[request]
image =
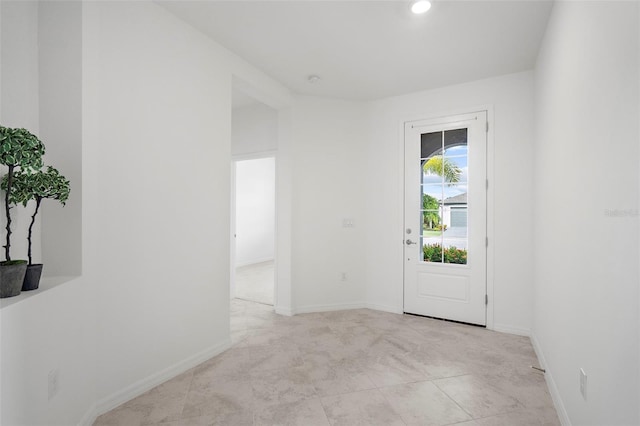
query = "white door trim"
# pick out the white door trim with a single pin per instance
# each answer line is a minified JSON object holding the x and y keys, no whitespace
{"x":490,"y":199}
{"x":254,"y":155}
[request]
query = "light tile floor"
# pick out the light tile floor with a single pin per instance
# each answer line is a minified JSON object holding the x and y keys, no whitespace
{"x":356,"y":367}
{"x":255,"y":282}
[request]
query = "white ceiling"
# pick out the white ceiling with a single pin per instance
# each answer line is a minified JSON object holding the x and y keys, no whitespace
{"x":366,"y":50}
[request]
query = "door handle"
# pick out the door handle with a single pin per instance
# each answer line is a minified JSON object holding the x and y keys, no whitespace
{"x":409,"y":242}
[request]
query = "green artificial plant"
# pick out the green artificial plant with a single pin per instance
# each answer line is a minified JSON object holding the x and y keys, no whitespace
{"x":18,"y":148}
{"x":36,"y":185}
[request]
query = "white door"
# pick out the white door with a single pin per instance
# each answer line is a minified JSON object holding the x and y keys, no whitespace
{"x":445,"y":257}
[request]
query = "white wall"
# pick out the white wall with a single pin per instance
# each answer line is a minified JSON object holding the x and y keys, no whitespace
{"x":329,"y":140}
{"x":157,"y":150}
{"x":19,"y":36}
{"x":153,"y":296}
{"x":60,"y":82}
{"x":284,"y":214}
{"x":255,"y":210}
{"x":156,"y":153}
{"x":254,"y":129}
{"x":586,"y":273}
{"x":19,"y":103}
{"x":510,"y":204}
{"x":347,"y":164}
{"x":51,"y":329}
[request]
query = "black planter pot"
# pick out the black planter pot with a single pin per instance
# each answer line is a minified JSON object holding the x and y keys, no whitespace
{"x":11,"y":279}
{"x":32,"y":277}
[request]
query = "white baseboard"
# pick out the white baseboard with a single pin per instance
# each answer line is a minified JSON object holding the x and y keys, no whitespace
{"x":327,"y":308}
{"x":141,"y":386}
{"x":89,"y":417}
{"x":512,"y":330}
{"x":384,"y":308}
{"x":337,"y":307}
{"x":254,"y":261}
{"x":282,"y":310}
{"x":551,"y":384}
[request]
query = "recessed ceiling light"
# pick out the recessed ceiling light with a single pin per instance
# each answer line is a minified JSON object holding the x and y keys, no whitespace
{"x":420,"y":6}
{"x":313,"y":79}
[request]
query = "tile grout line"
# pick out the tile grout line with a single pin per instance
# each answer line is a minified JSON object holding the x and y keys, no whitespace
{"x":341,"y":330}
{"x":452,"y":399}
{"x":186,"y":395}
{"x":391,"y":405}
{"x":324,"y":410}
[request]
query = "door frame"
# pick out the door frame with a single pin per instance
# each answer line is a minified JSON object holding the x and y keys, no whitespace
{"x":490,"y":196}
{"x":472,"y":275}
{"x":271,"y":97}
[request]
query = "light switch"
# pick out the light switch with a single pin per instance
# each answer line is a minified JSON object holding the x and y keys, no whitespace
{"x":348,"y":223}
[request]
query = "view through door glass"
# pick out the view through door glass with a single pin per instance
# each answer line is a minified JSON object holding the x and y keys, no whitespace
{"x":444,"y":188}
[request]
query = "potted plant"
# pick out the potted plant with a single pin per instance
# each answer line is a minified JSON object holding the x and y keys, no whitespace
{"x":19,"y":148}
{"x":36,"y":185}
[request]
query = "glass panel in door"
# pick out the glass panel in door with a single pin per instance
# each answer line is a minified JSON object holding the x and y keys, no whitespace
{"x":444,"y":189}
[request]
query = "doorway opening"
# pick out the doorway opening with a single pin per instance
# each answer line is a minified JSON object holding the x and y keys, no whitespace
{"x":255,"y":187}
{"x":254,"y":140}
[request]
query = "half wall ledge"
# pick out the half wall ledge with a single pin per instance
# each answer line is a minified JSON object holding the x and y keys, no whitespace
{"x":46,"y":284}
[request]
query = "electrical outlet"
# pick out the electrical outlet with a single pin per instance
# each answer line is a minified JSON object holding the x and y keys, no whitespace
{"x":348,"y":223}
{"x":583,"y":384}
{"x":344,"y":276}
{"x":54,"y":383}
